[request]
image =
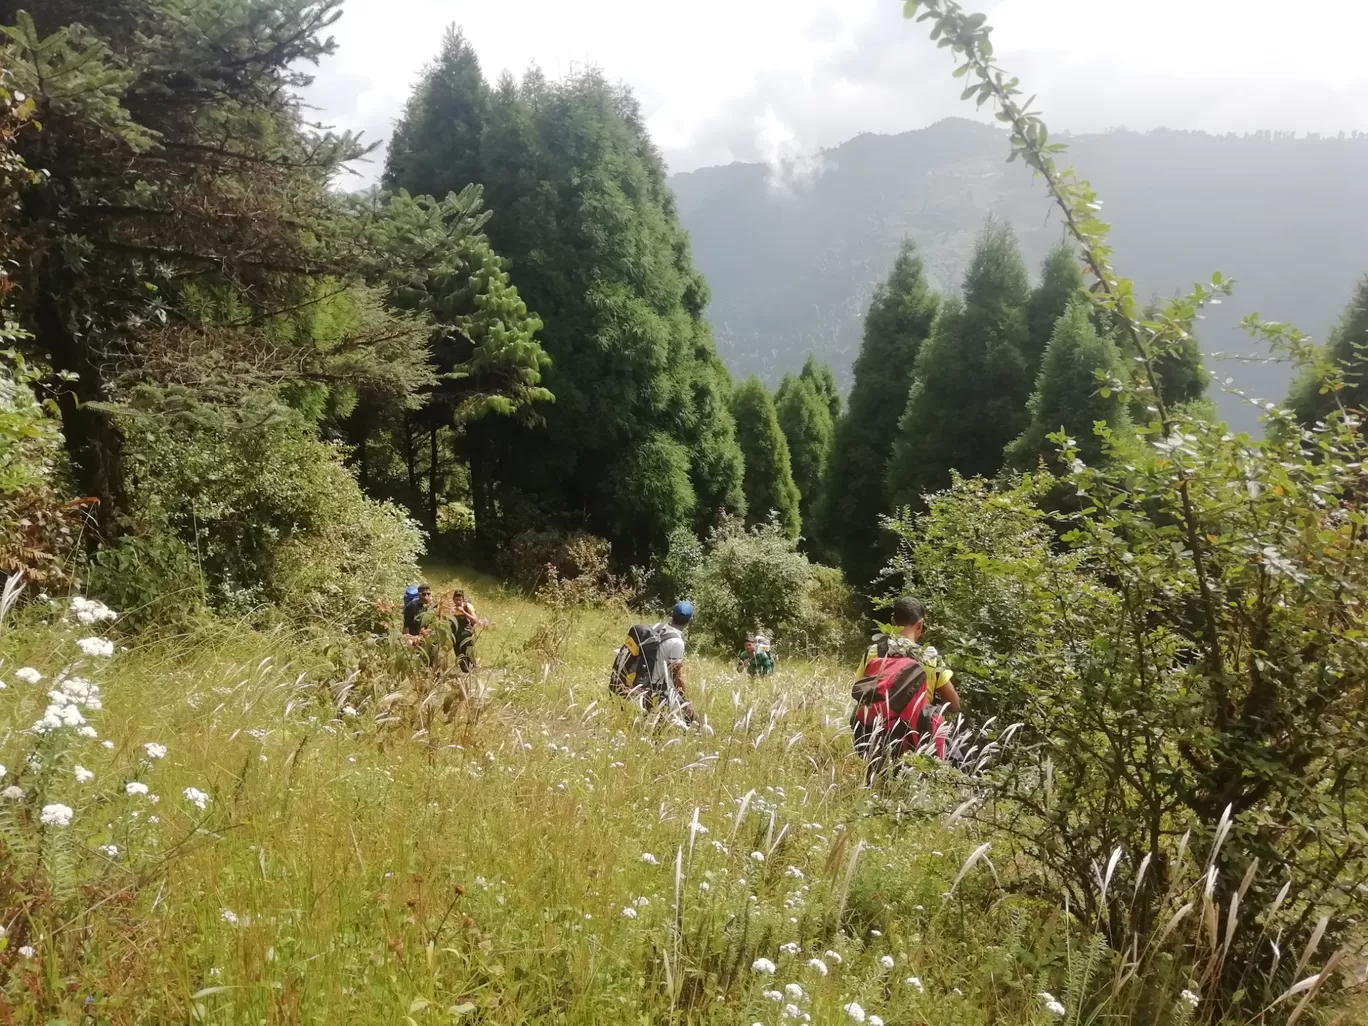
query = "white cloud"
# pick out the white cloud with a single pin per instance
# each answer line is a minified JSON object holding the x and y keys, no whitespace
{"x":723,"y":80}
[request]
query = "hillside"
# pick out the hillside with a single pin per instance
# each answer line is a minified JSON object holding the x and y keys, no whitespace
{"x":792,"y":269}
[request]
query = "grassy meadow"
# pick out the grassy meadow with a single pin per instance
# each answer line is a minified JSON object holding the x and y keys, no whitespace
{"x":390,"y":845}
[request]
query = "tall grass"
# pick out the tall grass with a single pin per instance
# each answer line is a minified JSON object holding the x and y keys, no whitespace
{"x":524,"y":850}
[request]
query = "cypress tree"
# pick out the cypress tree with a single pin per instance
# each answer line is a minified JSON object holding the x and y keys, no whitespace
{"x":900,"y":318}
{"x":1068,"y":396}
{"x":769,"y":477}
{"x":1061,"y":278}
{"x":819,"y":376}
{"x":805,"y":418}
{"x":968,"y":400}
{"x":1346,"y":347}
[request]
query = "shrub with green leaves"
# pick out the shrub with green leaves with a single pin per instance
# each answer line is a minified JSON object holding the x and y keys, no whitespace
{"x":242,"y":507}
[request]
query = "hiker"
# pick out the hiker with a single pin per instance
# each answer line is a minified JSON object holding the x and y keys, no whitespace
{"x":754,"y":660}
{"x":900,"y":683}
{"x":417,"y":604}
{"x":463,"y":620}
{"x":649,"y":667}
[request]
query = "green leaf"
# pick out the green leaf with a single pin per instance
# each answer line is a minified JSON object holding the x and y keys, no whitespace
{"x":464,"y":1008}
{"x":418,"y":1004}
{"x":910,"y":8}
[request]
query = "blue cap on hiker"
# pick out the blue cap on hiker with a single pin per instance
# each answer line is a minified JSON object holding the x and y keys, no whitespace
{"x":683,"y":612}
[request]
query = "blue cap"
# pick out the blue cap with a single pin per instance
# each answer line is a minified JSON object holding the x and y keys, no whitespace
{"x":683,"y":610}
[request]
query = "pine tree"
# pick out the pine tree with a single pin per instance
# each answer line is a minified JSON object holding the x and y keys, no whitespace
{"x":900,"y":318}
{"x":823,"y":381}
{"x":1068,"y":396}
{"x":435,"y":148}
{"x":1346,"y":347}
{"x":969,"y":396}
{"x":805,"y":418}
{"x":769,"y":477}
{"x":1061,"y":278}
{"x":587,"y":221}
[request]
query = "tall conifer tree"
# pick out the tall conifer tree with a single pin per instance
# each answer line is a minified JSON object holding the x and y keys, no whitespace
{"x":805,"y":417}
{"x":899,"y":320}
{"x":769,"y":476}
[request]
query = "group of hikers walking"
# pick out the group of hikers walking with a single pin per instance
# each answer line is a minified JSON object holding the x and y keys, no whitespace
{"x":903,"y":691}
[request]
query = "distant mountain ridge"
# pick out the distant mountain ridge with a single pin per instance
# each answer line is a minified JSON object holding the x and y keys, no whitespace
{"x":792,"y":270}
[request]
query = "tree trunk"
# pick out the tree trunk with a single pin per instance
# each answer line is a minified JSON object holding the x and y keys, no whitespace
{"x":411,"y":465}
{"x":432,"y":481}
{"x":92,"y":439}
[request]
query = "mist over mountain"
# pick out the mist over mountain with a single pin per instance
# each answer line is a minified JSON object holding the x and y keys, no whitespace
{"x":793,"y":251}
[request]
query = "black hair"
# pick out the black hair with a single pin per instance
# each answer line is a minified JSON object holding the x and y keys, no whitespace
{"x":908,"y":611}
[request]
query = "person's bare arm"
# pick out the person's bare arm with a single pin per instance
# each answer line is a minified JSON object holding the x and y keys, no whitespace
{"x":947,"y":693}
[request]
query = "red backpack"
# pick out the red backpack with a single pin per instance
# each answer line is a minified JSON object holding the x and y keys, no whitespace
{"x":893,"y":699}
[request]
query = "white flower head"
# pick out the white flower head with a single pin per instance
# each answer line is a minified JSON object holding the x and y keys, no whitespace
{"x":196,"y":797}
{"x":228,"y":916}
{"x":348,"y":711}
{"x":87,"y":730}
{"x":28,"y":675}
{"x":764,"y":965}
{"x":794,"y":872}
{"x":886,"y":961}
{"x":27,"y":951}
{"x":649,"y":859}
{"x":1192,"y":999}
{"x":641,"y":902}
{"x":795,"y":991}
{"x":629,"y":913}
{"x":874,"y":1020}
{"x":833,"y":956}
{"x":106,"y":744}
{"x":135,"y":787}
{"x":109,"y":850}
{"x":757,"y":856}
{"x":154,"y":750}
{"x":916,"y":984}
{"x":83,"y":775}
{"x":1051,"y":1005}
{"x":90,"y":611}
{"x":791,"y":948}
{"x":13,"y":793}
{"x":819,"y":965}
{"x":856,"y":1013}
{"x":101,"y":647}
{"x":792,"y":1011}
{"x":57,"y":815}
{"x":772,"y":995}
{"x":3,"y":771}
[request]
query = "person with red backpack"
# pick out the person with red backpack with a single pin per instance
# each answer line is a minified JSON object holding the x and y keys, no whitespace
{"x":896,"y":697}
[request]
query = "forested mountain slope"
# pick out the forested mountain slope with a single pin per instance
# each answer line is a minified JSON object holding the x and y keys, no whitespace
{"x":792,"y":268}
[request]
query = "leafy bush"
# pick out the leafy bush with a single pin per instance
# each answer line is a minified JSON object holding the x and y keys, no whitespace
{"x":562,"y":568}
{"x":236,"y":509}
{"x":751,"y":580}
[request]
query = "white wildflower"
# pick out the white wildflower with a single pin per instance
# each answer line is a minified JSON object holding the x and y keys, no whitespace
{"x":107,"y":744}
{"x":90,"y":611}
{"x":154,"y":819}
{"x":855,"y":1012}
{"x":3,"y":771}
{"x":818,"y":964}
{"x":649,"y":859}
{"x":705,"y":886}
{"x":886,"y":961}
{"x":228,"y":916}
{"x":91,"y":732}
{"x":13,"y":793}
{"x":764,"y":965}
{"x":83,"y":775}
{"x":772,"y":995}
{"x":794,"y":872}
{"x":641,"y":902}
{"x":56,"y":815}
{"x":135,"y":787}
{"x":109,"y":850}
{"x":28,"y":675}
{"x":101,"y":647}
{"x":874,"y":1020}
{"x":196,"y":797}
{"x":833,"y":956}
{"x":791,"y":948}
{"x":27,"y":951}
{"x":629,"y":913}
{"x":1192,"y":999}
{"x":1051,"y":1005}
{"x":795,"y":991}
{"x":348,"y":710}
{"x":792,"y":1011}
{"x":154,"y":750}
{"x":757,"y":856}
{"x":915,"y":982}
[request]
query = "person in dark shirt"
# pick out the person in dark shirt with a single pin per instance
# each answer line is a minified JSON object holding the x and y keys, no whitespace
{"x":415,"y":610}
{"x":463,"y":620}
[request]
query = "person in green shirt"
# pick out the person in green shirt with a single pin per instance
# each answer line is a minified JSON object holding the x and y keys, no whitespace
{"x":754,"y":660}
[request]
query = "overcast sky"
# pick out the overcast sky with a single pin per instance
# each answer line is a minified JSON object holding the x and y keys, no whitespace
{"x":724,"y":80}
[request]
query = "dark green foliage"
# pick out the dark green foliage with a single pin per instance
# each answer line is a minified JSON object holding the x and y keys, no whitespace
{"x":1069,"y":397}
{"x":972,"y":379}
{"x":435,"y":148}
{"x":769,"y":485}
{"x":583,"y":213}
{"x":1345,"y":348}
{"x":899,"y":320}
{"x":805,"y":417}
{"x":1061,"y":278}
{"x":821,"y":378}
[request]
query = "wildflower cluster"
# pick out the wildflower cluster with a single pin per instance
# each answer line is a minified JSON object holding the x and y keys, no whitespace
{"x":65,"y":704}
